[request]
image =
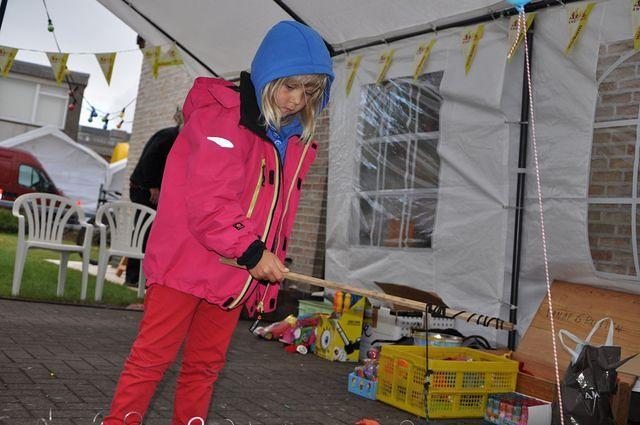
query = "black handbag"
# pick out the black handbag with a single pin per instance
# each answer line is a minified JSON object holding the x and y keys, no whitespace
{"x":590,"y":380}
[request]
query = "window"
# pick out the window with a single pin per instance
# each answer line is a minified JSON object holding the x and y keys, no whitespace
{"x":32,"y":102}
{"x":613,"y":187}
{"x":397,"y":182}
{"x":28,"y":177}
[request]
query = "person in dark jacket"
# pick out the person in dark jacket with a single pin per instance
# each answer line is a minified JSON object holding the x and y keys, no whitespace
{"x":146,"y":179}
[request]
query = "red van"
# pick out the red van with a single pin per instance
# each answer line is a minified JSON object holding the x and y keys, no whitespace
{"x":20,"y":173}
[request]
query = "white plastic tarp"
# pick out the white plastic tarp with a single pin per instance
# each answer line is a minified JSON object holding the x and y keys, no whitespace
{"x":224,"y":34}
{"x":116,"y":178}
{"x":75,"y":169}
{"x":457,"y":248}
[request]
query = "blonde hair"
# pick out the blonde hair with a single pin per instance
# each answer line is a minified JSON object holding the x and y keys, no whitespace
{"x":314,"y":83}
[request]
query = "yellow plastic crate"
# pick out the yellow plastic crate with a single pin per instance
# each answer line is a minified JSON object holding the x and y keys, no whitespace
{"x":458,"y":389}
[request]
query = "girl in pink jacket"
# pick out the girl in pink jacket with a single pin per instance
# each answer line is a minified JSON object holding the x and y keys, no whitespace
{"x":230,"y":190}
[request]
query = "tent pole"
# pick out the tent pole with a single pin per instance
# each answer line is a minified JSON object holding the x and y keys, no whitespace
{"x":297,"y":18}
{"x":520,"y":192}
{"x":3,"y":7}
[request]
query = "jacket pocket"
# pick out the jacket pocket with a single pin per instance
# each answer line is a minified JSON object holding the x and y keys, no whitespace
{"x":256,"y":191}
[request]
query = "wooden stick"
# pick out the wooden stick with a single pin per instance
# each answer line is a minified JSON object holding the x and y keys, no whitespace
{"x":404,"y":302}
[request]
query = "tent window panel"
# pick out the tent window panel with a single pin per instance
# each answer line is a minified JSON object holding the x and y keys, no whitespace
{"x":427,"y":165}
{"x":370,"y":121}
{"x":396,"y":187}
{"x":396,"y":172}
{"x":612,"y":156}
{"x":419,"y":225}
{"x":610,"y":238}
{"x":395,"y":221}
{"x":369,"y":166}
{"x":400,"y":108}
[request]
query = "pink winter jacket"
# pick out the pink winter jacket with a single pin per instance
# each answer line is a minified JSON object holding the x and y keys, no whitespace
{"x":223,"y":188}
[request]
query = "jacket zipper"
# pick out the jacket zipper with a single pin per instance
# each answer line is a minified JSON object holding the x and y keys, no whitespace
{"x":274,"y":202}
{"x":293,"y":183}
{"x":256,"y":192}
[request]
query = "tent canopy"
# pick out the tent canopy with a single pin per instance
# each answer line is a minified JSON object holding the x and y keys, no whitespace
{"x":222,"y":36}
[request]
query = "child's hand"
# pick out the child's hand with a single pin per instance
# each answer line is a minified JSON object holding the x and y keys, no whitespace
{"x":269,"y":268}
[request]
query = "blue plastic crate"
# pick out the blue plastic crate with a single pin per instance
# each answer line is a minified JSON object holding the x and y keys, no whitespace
{"x":362,"y":387}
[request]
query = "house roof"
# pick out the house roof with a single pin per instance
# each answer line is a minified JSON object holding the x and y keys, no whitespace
{"x":43,"y":71}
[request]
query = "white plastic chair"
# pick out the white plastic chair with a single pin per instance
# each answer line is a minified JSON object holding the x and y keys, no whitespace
{"x":46,"y":218}
{"x":127,"y":223}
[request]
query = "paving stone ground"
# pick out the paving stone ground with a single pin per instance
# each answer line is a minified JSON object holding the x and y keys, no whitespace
{"x":67,"y":359}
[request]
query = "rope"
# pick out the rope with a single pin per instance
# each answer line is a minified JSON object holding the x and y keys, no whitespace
{"x":522,"y":26}
{"x":68,"y":78}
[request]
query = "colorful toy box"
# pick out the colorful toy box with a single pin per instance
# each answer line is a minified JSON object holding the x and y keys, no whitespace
{"x":362,"y":386}
{"x":338,"y":335}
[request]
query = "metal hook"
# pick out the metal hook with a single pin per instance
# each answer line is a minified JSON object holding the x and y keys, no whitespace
{"x":493,"y":16}
{"x":194,"y":418}
{"x":346,"y":52}
{"x":384,"y":40}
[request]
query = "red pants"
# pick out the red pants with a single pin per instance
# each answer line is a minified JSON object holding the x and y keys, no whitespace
{"x":170,"y":318}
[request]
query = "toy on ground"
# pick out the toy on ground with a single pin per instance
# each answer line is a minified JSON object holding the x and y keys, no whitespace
{"x":339,"y":335}
{"x":297,"y":333}
{"x":277,"y":329}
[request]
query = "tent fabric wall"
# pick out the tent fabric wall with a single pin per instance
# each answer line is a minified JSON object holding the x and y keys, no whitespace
{"x":116,"y":177}
{"x":470,"y":261}
{"x":75,"y":169}
{"x":466,"y":263}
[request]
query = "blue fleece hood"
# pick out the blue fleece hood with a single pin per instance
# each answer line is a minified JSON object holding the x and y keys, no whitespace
{"x":290,"y":48}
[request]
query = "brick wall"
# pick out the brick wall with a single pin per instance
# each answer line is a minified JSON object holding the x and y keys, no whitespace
{"x":156,"y":103}
{"x":157,"y":100}
{"x":309,"y":232}
{"x":612,"y":158}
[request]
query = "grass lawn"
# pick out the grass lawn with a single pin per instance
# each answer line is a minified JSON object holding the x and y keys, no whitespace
{"x":40,"y":278}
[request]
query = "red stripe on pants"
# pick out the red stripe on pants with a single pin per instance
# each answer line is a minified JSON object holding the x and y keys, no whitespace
{"x":170,"y":318}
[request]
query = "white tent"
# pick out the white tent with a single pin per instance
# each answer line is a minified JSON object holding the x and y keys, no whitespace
{"x":116,"y":177}
{"x":224,"y":34}
{"x":458,"y":225}
{"x":75,"y":169}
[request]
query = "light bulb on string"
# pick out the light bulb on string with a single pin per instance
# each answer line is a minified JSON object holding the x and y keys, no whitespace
{"x":93,"y":114}
{"x":105,"y":120}
{"x":121,"y":114}
{"x":120,"y":124}
{"x":50,"y":25}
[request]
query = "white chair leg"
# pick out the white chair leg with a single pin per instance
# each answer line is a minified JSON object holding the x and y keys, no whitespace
{"x":103,"y":262}
{"x":85,"y":277}
{"x":142,"y":282}
{"x":62,"y":273}
{"x":18,"y":268}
